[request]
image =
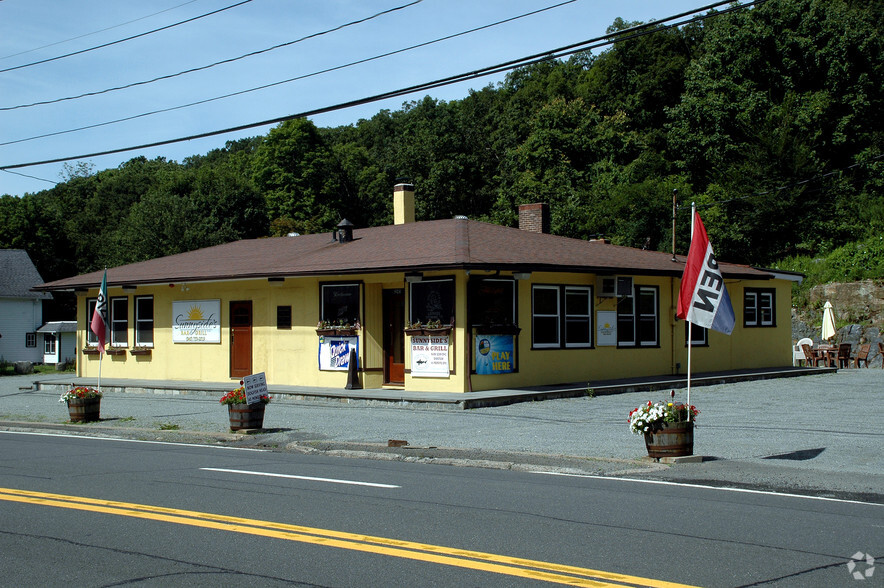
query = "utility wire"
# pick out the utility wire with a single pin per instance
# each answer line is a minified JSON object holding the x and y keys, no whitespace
{"x":122,"y":24}
{"x":56,"y":58}
{"x":231,"y":60}
{"x":278,"y":83}
{"x":537,"y":58}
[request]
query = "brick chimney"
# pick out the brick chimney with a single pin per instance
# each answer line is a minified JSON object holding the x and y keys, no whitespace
{"x":534,"y":217}
{"x":403,"y":204}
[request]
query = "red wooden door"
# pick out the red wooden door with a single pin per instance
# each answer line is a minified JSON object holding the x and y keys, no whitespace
{"x":394,"y":336}
{"x":240,"y":338}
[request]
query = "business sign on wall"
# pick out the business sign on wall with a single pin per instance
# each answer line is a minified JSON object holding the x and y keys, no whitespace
{"x":606,"y":328}
{"x":494,"y":354}
{"x":196,"y":321}
{"x":334,"y":352}
{"x":429,"y":356}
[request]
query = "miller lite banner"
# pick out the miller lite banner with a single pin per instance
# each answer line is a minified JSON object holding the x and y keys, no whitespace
{"x":703,"y":299}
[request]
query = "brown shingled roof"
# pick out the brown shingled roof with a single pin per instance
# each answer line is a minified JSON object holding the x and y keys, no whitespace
{"x":420,"y":246}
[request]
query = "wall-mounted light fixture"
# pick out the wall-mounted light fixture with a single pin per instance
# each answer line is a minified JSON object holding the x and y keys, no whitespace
{"x":412,"y":277}
{"x":129,"y":288}
{"x":522,"y":275}
{"x":276,"y":281}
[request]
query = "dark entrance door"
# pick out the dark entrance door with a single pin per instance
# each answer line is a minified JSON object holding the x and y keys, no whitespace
{"x":394,"y":336}
{"x":240,"y":338}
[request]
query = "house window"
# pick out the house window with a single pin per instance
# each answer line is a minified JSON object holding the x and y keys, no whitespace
{"x":340,"y":303}
{"x":119,"y":321}
{"x":91,"y":338}
{"x":699,"y":335}
{"x":492,"y":302}
{"x":48,"y":343}
{"x":283,"y":317}
{"x":578,"y":325}
{"x":638,"y":319}
{"x":30,"y":339}
{"x":562,"y":316}
{"x":431,"y":300}
{"x":144,"y":321}
{"x":545,"y":316}
{"x":758,"y":307}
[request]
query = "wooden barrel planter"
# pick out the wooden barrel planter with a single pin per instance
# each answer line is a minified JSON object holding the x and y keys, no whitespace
{"x":246,"y":416}
{"x":84,"y":410}
{"x":671,"y":440}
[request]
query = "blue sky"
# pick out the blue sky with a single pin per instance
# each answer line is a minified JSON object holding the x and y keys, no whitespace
{"x":36,"y":30}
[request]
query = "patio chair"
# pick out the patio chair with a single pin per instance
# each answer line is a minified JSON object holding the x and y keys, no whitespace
{"x":844,"y":355}
{"x":810,"y":356}
{"x":798,"y":352}
{"x":863,"y":355}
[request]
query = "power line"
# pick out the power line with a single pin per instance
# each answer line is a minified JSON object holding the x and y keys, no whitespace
{"x":222,"y":62}
{"x":56,"y":58}
{"x":122,"y":24}
{"x":507,"y":66}
{"x":286,"y":81}
{"x":29,"y":176}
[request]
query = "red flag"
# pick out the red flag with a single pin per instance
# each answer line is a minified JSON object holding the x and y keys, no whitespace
{"x":99,"y":315}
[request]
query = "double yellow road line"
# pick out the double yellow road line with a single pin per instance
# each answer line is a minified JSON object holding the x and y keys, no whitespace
{"x":475,"y":560}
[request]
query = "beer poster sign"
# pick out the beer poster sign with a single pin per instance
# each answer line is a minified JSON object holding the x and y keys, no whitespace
{"x":334,"y":352}
{"x":429,"y":356}
{"x":196,"y":321}
{"x":494,"y":354}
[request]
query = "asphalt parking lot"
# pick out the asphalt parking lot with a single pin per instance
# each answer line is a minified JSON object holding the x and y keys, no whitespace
{"x":819,"y":434}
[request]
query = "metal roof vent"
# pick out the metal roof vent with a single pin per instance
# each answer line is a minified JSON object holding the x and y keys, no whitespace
{"x":345,"y":231}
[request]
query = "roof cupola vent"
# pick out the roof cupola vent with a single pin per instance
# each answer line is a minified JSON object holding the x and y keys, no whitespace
{"x":345,"y":231}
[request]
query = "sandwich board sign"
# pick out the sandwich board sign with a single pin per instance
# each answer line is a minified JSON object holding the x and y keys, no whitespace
{"x":256,"y":387}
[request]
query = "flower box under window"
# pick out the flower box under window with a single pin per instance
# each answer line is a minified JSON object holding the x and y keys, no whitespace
{"x":140,"y":351}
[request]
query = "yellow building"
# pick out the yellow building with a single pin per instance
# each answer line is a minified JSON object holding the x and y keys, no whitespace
{"x":450,"y":305}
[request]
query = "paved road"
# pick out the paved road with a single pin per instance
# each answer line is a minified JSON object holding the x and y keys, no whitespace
{"x":818,"y":434}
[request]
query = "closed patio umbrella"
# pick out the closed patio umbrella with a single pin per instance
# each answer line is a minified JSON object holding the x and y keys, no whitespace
{"x":828,"y":322}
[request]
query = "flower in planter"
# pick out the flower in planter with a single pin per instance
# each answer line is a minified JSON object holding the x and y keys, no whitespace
{"x":649,"y":417}
{"x":238,"y":396}
{"x":339,"y":324}
{"x":80,"y":392}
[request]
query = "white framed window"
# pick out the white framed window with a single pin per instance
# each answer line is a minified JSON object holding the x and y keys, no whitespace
{"x":578,"y":316}
{"x":49,"y":343}
{"x":144,"y":321}
{"x":638,"y":318}
{"x":545,"y":316}
{"x":759,"y":306}
{"x":562,"y":316}
{"x":119,"y":317}
{"x":91,"y":338}
{"x":699,"y":335}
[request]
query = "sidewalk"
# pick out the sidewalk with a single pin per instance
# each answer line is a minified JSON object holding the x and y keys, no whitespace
{"x":818,"y":434}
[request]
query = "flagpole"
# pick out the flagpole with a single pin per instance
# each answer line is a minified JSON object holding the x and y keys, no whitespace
{"x":690,"y":324}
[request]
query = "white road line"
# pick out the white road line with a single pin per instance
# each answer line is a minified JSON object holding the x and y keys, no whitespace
{"x":707,"y":487}
{"x":67,"y":436}
{"x":309,"y":478}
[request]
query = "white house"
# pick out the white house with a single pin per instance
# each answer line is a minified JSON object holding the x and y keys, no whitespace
{"x":21,"y":310}
{"x":59,"y":341}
